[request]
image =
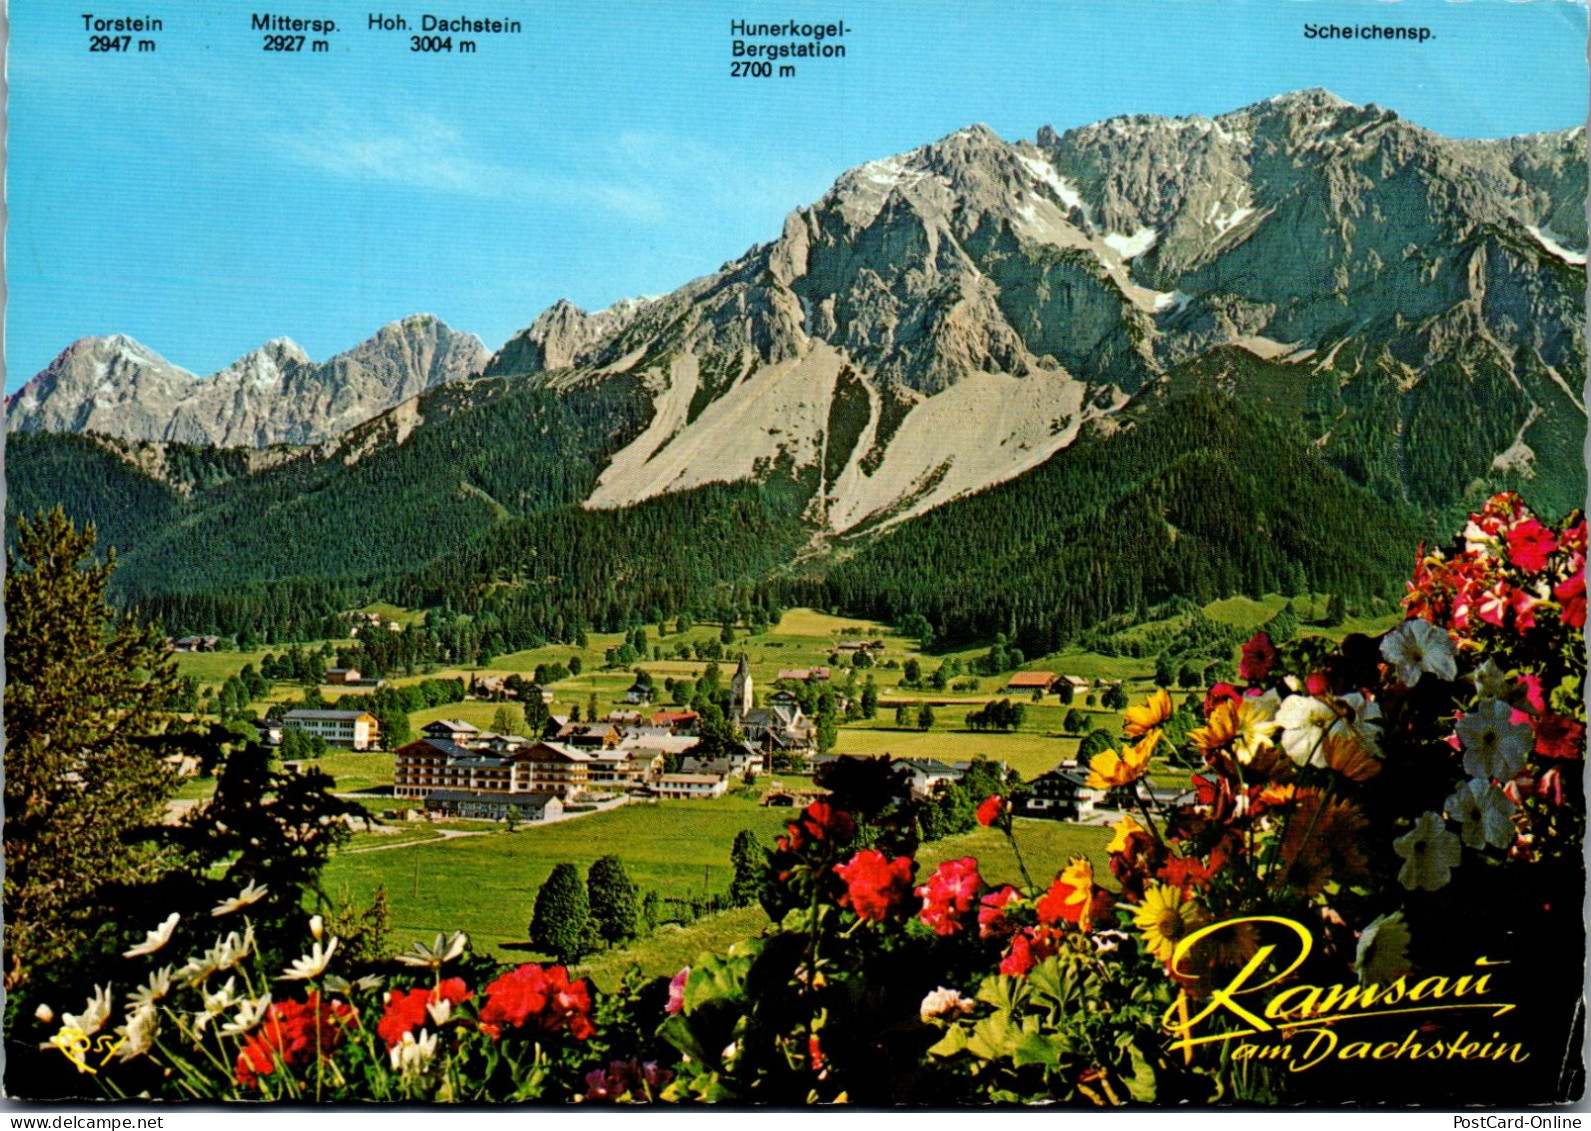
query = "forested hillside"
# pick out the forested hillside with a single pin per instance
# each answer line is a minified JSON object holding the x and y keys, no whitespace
{"x":1199,"y":497}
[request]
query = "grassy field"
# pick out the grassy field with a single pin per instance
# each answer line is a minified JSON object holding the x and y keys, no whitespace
{"x":1045,"y":845}
{"x":486,"y":885}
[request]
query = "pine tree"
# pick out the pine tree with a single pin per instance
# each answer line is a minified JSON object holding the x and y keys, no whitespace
{"x":558,"y":923}
{"x":750,"y":869}
{"x":612,"y":898}
{"x":82,"y":699}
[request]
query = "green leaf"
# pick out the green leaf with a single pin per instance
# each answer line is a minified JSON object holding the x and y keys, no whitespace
{"x":954,"y":1041}
{"x":1141,"y":1084}
{"x":1040,"y":1048}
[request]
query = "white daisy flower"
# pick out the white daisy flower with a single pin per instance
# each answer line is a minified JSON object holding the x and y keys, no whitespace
{"x":1493,"y":746}
{"x":251,"y":894}
{"x":311,"y":965}
{"x":412,"y":1055}
{"x":1485,"y":813}
{"x":216,"y":1004}
{"x":94,"y":1014}
{"x":444,"y":950}
{"x":251,"y":1011}
{"x":139,"y":1033}
{"x":155,"y":939}
{"x":158,"y":986}
{"x":1417,"y":647}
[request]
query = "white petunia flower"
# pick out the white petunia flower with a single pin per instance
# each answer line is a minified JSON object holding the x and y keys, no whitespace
{"x":158,"y":986}
{"x":944,"y":1005}
{"x":1491,"y":682}
{"x":1383,"y":951}
{"x":155,"y":939}
{"x":251,"y":894}
{"x":1304,"y":721}
{"x":1493,"y":746}
{"x":311,"y":965}
{"x":1430,"y":853}
{"x":1485,"y":813}
{"x":412,"y":1055}
{"x":1417,"y":647}
{"x":94,"y":1014}
{"x":139,"y":1033}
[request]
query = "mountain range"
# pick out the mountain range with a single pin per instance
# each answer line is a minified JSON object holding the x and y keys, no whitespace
{"x":1404,"y":312}
{"x":273,"y":395}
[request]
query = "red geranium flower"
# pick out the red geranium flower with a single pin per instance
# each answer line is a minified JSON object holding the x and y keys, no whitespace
{"x":546,"y":996}
{"x":818,"y":822}
{"x":1259,"y":656}
{"x":406,"y":1009}
{"x":1027,"y":950}
{"x":291,"y":1035}
{"x":1559,"y":736}
{"x":1571,"y":599}
{"x":992,"y":919}
{"x":1529,"y":543}
{"x":992,"y":810}
{"x":949,"y":894}
{"x":874,"y":884}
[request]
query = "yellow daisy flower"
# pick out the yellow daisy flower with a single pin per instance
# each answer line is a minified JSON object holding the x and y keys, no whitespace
{"x":1123,"y":829}
{"x":1110,"y":769}
{"x":1155,"y":711}
{"x":1165,"y":917}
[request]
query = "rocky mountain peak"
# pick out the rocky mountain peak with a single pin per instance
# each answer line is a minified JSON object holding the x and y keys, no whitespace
{"x":273,"y":394}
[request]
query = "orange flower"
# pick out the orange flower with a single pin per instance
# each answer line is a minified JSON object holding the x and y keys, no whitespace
{"x":1322,"y":843}
{"x":1110,"y":769}
{"x":1155,"y":711}
{"x":1348,"y":757}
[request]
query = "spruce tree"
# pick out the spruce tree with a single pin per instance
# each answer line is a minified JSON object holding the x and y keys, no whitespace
{"x":612,"y":898}
{"x":558,"y":923}
{"x":750,"y":869}
{"x":83,"y":770}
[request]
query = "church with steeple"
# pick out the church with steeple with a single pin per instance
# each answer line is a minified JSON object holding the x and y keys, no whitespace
{"x":740,"y":698}
{"x":778,"y":726}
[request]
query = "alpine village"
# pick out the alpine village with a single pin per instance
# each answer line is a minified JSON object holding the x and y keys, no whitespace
{"x":878,"y":671}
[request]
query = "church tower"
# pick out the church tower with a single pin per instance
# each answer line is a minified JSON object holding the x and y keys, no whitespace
{"x":740,"y":702}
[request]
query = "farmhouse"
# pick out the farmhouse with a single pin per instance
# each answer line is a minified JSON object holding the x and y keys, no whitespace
{"x":1031,"y":681}
{"x":357,"y":730}
{"x":453,"y":730}
{"x":926,"y":773}
{"x":1062,"y":794}
{"x":590,"y":736}
{"x":804,"y":675}
{"x":680,"y":722}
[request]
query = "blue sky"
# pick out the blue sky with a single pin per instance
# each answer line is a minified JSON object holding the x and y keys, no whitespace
{"x":209,"y":197}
